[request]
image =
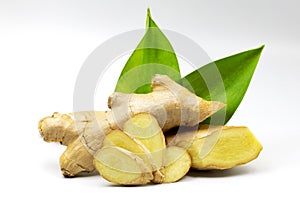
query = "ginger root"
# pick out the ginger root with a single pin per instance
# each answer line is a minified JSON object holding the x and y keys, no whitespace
{"x":83,"y":132}
{"x":142,"y":156}
{"x":127,"y":143}
{"x":61,"y":128}
{"x":120,"y":166}
{"x":217,"y":147}
{"x":177,"y":163}
{"x":144,"y":128}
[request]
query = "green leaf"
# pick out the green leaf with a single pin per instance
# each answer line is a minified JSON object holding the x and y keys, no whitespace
{"x":153,"y":55}
{"x":225,"y":80}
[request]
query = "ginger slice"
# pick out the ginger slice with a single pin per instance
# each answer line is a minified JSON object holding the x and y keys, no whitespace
{"x":121,"y":139}
{"x":145,"y":128}
{"x":120,"y":166}
{"x":177,"y":163}
{"x":234,"y":146}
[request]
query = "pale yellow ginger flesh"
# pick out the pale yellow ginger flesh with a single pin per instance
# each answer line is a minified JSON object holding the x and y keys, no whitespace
{"x":141,"y":136}
{"x":218,"y":147}
{"x":171,"y":104}
{"x":177,"y":163}
{"x":144,"y":128}
{"x":123,"y":140}
{"x":120,"y":139}
{"x":120,"y":166}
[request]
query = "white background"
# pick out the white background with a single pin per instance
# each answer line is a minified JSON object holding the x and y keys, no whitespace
{"x":44,"y":43}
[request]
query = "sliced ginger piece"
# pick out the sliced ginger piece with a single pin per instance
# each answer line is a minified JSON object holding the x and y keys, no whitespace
{"x":121,"y":139}
{"x":218,"y":147}
{"x":177,"y":163}
{"x":120,"y":166}
{"x":145,"y":128}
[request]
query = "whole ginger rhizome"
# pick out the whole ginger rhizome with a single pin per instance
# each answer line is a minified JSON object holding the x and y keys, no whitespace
{"x":127,"y":144}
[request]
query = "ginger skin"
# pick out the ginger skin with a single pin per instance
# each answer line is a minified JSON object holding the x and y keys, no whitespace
{"x":59,"y":128}
{"x":83,"y":132}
